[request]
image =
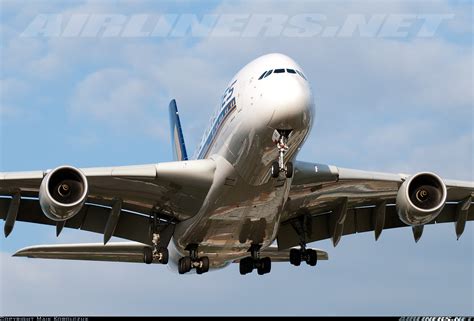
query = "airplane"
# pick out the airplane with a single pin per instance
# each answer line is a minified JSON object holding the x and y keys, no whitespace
{"x":243,"y":198}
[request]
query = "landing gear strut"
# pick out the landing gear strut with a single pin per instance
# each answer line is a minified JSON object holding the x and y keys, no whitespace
{"x":303,"y":254}
{"x":263,"y":265}
{"x":187,"y":263}
{"x":156,"y":252}
{"x":282,"y":146}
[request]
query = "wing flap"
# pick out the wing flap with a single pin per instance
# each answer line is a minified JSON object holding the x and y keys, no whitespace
{"x":318,"y":191}
{"x":93,"y":218}
{"x":358,"y":220}
{"x":113,"y":252}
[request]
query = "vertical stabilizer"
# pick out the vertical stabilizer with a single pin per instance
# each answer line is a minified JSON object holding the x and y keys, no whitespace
{"x":177,"y":139}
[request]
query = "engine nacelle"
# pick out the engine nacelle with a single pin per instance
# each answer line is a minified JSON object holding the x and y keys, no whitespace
{"x":63,"y":192}
{"x":421,"y":198}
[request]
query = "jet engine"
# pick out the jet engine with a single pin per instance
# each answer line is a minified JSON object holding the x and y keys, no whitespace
{"x":63,"y":192}
{"x":420,"y":199}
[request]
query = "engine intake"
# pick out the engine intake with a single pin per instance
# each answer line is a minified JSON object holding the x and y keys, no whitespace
{"x":421,"y":198}
{"x":62,"y":193}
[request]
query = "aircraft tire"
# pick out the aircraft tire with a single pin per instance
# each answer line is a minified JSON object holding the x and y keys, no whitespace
{"x":205,"y":265}
{"x":246,"y":265}
{"x":295,"y":257}
{"x":265,"y":266}
{"x":275,"y":169}
{"x":165,"y":255}
{"x":147,"y":255}
{"x":289,"y":170}
{"x":312,"y":257}
{"x":184,"y":265}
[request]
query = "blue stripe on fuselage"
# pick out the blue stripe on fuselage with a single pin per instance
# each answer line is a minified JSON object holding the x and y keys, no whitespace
{"x":218,"y":124}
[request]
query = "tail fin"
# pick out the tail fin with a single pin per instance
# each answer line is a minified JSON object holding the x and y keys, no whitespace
{"x":177,"y":139}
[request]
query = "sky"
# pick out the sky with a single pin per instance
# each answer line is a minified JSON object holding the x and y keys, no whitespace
{"x":387,"y":99}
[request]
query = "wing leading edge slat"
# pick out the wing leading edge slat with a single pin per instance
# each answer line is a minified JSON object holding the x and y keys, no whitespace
{"x":130,"y":226}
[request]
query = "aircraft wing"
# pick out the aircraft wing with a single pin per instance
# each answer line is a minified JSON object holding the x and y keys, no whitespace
{"x":159,"y":194}
{"x":112,"y":252}
{"x":327,"y":202}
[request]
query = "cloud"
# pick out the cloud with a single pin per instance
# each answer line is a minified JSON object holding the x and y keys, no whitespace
{"x":400,"y":106}
{"x":118,"y":97}
{"x":449,"y":158}
{"x":109,"y":92}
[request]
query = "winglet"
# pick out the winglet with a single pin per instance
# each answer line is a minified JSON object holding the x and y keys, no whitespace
{"x":177,"y":138}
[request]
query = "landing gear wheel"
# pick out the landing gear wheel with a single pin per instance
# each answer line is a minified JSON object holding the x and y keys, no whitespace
{"x":184,"y":265}
{"x":275,"y":170}
{"x":147,"y":255}
{"x":289,"y":170}
{"x":311,"y":257}
{"x":265,"y":265}
{"x":163,"y":252}
{"x":246,"y":265}
{"x":295,"y":257}
{"x":204,"y":265}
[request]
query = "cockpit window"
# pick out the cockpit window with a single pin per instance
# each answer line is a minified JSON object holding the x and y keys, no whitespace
{"x":301,"y":74}
{"x":281,"y":70}
{"x":268,"y":73}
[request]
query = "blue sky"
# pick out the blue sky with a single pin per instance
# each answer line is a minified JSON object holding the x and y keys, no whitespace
{"x":386,"y":104}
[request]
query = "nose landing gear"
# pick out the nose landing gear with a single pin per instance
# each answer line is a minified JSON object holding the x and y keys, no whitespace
{"x":282,"y":146}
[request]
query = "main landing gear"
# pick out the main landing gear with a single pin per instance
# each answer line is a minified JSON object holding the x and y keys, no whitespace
{"x":263,"y":265}
{"x":187,"y":263}
{"x":282,"y":146}
{"x":155,"y":252}
{"x":303,"y":254}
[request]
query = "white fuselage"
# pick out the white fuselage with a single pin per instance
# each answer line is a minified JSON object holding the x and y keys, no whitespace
{"x":244,"y":203}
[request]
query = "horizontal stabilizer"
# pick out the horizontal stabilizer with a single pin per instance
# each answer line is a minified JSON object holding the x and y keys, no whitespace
{"x":113,"y":252}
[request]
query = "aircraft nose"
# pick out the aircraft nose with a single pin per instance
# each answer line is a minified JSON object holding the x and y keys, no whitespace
{"x":292,"y":104}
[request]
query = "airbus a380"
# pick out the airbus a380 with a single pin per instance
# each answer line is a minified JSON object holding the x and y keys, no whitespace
{"x":242,"y":199}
